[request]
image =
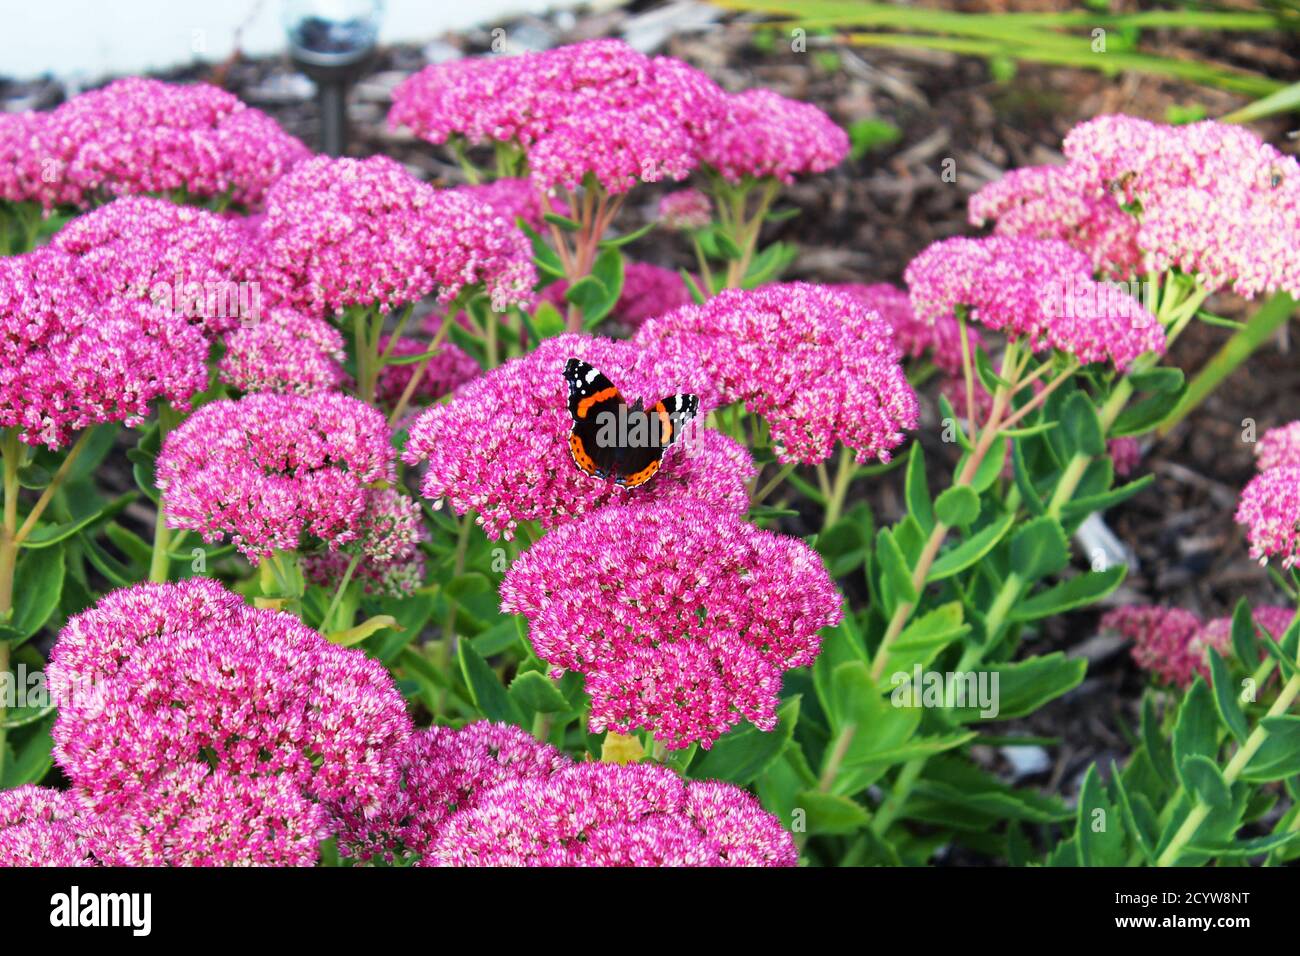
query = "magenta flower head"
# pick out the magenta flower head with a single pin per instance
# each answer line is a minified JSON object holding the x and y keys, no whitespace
{"x":813,"y":362}
{"x":189,"y":261}
{"x":648,"y":290}
{"x":1062,"y":202}
{"x":40,"y":826}
{"x":685,"y":210}
{"x":1173,"y":644}
{"x":941,"y":339}
{"x":450,"y":368}
{"x":445,"y":770}
{"x":764,"y":134}
{"x":1269,"y":508}
{"x":143,"y":136}
{"x":269,"y":469}
{"x":75,"y":354}
{"x":157,"y":679}
{"x":1214,"y":199}
{"x":345,"y":232}
{"x":600,"y":814}
{"x":500,"y":447}
{"x":707,"y":612}
{"x":1279,"y":446}
{"x":1125,"y":453}
{"x":1038,"y":290}
{"x":387,"y":550}
{"x":29,"y":167}
{"x":593,"y":109}
{"x":195,"y":815}
{"x":285,"y":351}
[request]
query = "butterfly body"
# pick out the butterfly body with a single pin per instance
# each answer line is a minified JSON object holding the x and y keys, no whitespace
{"x":613,"y":440}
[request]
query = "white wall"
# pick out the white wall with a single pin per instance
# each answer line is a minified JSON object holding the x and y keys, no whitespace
{"x":89,"y":39}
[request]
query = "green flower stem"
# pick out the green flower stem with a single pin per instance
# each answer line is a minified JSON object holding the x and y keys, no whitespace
{"x":843,"y":478}
{"x":442,"y":648}
{"x":328,"y":624}
{"x":757,"y":497}
{"x":747,"y":228}
{"x":892,"y":805}
{"x":160,"y":560}
{"x":1236,"y":765}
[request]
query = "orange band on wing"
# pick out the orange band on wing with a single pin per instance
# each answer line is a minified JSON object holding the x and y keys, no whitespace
{"x":580,"y":456}
{"x":644,"y":475}
{"x":585,"y":405}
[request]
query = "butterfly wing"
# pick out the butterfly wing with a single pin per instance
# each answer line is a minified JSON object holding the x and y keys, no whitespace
{"x":590,"y":394}
{"x":670,"y":418}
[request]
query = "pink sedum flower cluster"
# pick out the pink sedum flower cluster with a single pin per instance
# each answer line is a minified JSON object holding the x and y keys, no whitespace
{"x":608,"y":815}
{"x":592,"y":109}
{"x":499,"y":446}
{"x":1209,"y":199}
{"x":75,"y":353}
{"x":1062,"y":202}
{"x":285,"y":351}
{"x":390,"y":530}
{"x":137,"y":136}
{"x":763,"y":134}
{"x":1279,"y":447}
{"x":814,"y":363}
{"x":686,"y":210}
{"x":706,"y":613}
{"x":187,"y":260}
{"x":1041,"y":291}
{"x":1269,"y":505}
{"x":444,"y":771}
{"x":364,"y":232}
{"x":1173,"y":644}
{"x":218,"y":732}
{"x":40,"y":826}
{"x":269,"y":469}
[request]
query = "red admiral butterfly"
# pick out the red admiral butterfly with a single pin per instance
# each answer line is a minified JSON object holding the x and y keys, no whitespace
{"x":611,"y":439}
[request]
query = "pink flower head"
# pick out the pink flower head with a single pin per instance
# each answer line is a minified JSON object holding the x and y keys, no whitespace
{"x":500,"y":445}
{"x":1166,"y":641}
{"x":1125,"y":453}
{"x":1279,"y":446}
{"x":681,"y":619}
{"x":596,"y":108}
{"x":765,"y":134}
{"x":345,"y":232}
{"x":195,"y":815}
{"x":29,"y":169}
{"x":601,"y":814}
{"x":940,"y":339}
{"x":189,"y":261}
{"x":1214,"y":199}
{"x":686,"y":210}
{"x":445,"y":770}
{"x":450,"y":368}
{"x":187,"y":675}
{"x":1039,"y":290}
{"x":75,"y":354}
{"x":1269,"y":507}
{"x":648,"y":290}
{"x":390,"y":530}
{"x":40,"y":826}
{"x":1062,"y":202}
{"x":268,"y":469}
{"x":143,"y":136}
{"x":812,"y":361}
{"x":1173,"y":644}
{"x":286,"y":351}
